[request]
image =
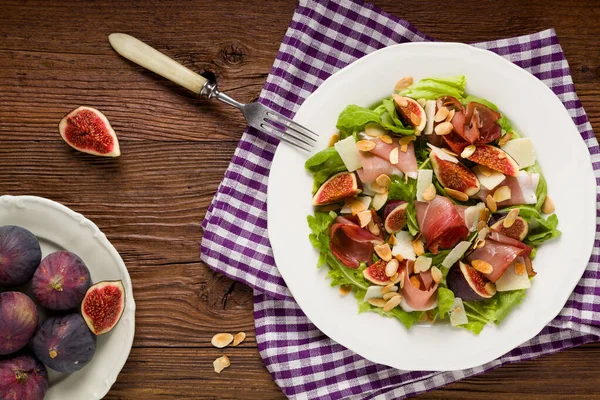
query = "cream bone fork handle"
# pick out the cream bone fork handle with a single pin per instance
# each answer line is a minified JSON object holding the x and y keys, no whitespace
{"x":257,"y":115}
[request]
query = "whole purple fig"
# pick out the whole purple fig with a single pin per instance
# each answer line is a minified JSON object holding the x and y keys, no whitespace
{"x":23,"y":378}
{"x":18,"y":321}
{"x":20,"y":255}
{"x":61,"y":281}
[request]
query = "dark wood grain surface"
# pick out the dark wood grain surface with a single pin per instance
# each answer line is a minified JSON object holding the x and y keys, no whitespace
{"x":54,"y":56}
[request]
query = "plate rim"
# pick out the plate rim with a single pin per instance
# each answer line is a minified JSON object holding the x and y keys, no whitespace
{"x":107,"y":382}
{"x":588,"y":244}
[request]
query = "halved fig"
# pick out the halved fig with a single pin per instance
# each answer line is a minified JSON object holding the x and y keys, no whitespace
{"x":396,"y":218}
{"x":376,"y":273}
{"x":88,"y":130}
{"x":518,"y":230}
{"x":496,"y":159}
{"x":454,"y":175}
{"x":339,"y":187}
{"x":468,"y":283}
{"x":410,"y":112}
{"x":103,"y":306}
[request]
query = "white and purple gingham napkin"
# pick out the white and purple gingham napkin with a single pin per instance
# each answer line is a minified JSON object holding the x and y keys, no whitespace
{"x":323,"y":37}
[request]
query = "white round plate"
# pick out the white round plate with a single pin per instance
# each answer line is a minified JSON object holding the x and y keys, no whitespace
{"x":60,"y":228}
{"x":535,"y":111}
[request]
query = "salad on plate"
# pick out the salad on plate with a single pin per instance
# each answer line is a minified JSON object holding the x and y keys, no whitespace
{"x":430,"y":207}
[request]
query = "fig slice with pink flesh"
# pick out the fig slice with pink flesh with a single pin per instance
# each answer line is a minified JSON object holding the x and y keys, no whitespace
{"x":375,"y":273}
{"x":468,"y":283}
{"x":396,"y":217}
{"x":103,"y":306}
{"x":88,"y":130}
{"x":410,"y":113}
{"x":494,"y":158}
{"x":339,"y":187}
{"x":518,"y":230}
{"x":455,"y":175}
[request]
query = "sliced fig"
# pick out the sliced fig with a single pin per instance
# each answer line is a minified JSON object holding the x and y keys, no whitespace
{"x":495,"y":158}
{"x":64,"y":343}
{"x":454,"y":175}
{"x":88,"y":130}
{"x":410,"y":112}
{"x":396,"y":218}
{"x":103,"y":306}
{"x":518,"y":230}
{"x":468,"y":283}
{"x":339,"y":187}
{"x":375,"y":273}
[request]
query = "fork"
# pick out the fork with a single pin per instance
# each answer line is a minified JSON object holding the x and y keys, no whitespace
{"x":257,"y":115}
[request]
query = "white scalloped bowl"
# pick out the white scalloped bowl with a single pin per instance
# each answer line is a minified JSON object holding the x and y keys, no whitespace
{"x":60,"y":228}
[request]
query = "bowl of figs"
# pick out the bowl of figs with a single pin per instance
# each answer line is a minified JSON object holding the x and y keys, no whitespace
{"x":58,"y":312}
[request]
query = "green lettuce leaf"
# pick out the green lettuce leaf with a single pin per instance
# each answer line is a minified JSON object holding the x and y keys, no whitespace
{"x":480,"y":100}
{"x":354,"y":118}
{"x":493,"y":310}
{"x":540,"y":229}
{"x":406,"y":191}
{"x":391,"y":121}
{"x":319,"y":225}
{"x":445,"y":301}
{"x":432,"y":88}
{"x":323,"y":165}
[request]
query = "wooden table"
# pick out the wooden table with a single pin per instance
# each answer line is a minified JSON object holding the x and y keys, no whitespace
{"x":54,"y":56}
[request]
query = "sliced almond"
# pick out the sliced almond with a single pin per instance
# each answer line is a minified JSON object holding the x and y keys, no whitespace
{"x":379,"y":200}
{"x":391,"y":268}
{"x":485,"y":171}
{"x":364,"y":217}
{"x":481,"y":224}
{"x":377,"y":302}
{"x":490,"y":288}
{"x":455,"y":194}
{"x":404,"y":148}
{"x":450,"y":152}
{"x":415,"y":119}
{"x":357,"y":206}
{"x":345,"y":289}
{"x":374,"y":130}
{"x":483,"y":232}
{"x":374,"y":228}
{"x":403,"y":83}
{"x":422,"y":102}
{"x":387,"y":288}
{"x":418,"y":247}
{"x":221,"y":340}
{"x":365,"y":145}
{"x":386,"y":139}
{"x":548,"y":206}
{"x":389,"y":295}
{"x":392,"y":303}
{"x":383,"y":180}
{"x":415,"y":281}
{"x":377,"y":188}
{"x":482,"y":266}
{"x":501,"y":155}
{"x":484,"y":215}
{"x":399,"y":257}
{"x":407,"y":139}
{"x":502,"y":193}
{"x":436,"y":274}
{"x":394,"y":156}
{"x":468,"y":151}
{"x":429,"y":193}
{"x":443,"y":128}
{"x":392,"y":240}
{"x":241,"y":336}
{"x":479,"y":244}
{"x":441,"y":114}
{"x":401,"y":101}
{"x":400,"y":279}
{"x":511,"y":218}
{"x":504,"y":139}
{"x":334,"y":139}
{"x":450,"y":115}
{"x":384,"y":252}
{"x":221,"y":363}
{"x":520,"y":269}
{"x":491,"y":203}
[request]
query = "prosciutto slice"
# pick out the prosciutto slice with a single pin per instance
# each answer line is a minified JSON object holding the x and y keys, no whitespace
{"x":440,"y":223}
{"x":500,"y":238}
{"x":480,"y":124}
{"x":372,"y":167}
{"x":499,"y":255}
{"x":522,"y":189}
{"x":350,"y":243}
{"x":407,"y":162}
{"x":423,"y":298}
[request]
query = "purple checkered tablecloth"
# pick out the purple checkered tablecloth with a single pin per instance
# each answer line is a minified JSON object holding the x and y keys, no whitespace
{"x":322,"y":38}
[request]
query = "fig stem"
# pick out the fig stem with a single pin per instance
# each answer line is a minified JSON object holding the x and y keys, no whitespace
{"x":21,"y":376}
{"x":53,"y":353}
